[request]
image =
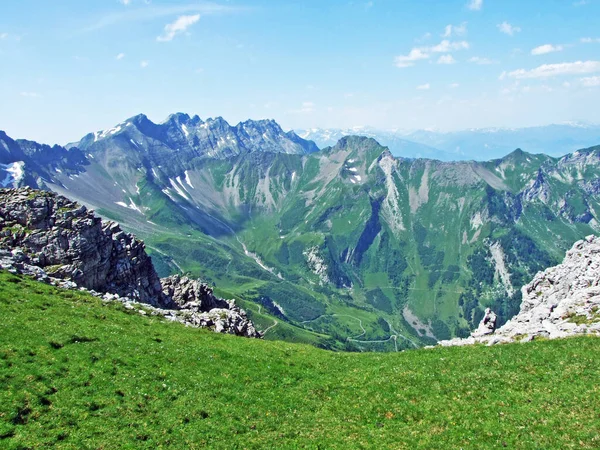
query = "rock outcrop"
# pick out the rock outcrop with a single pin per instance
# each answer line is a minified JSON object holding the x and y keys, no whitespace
{"x":560,"y":302}
{"x":70,"y":242}
{"x":58,"y":241}
{"x":487,"y":324}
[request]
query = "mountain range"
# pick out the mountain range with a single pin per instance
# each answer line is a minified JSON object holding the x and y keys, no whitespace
{"x":345,"y":247}
{"x":474,"y":144}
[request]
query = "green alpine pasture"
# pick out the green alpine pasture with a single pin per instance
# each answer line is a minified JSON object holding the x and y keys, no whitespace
{"x":76,"y":372}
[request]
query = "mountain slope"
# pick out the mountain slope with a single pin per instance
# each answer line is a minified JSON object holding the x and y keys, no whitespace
{"x":375,"y":252}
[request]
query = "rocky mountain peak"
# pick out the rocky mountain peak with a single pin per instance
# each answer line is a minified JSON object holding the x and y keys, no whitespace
{"x":179,"y":118}
{"x":190,"y":137}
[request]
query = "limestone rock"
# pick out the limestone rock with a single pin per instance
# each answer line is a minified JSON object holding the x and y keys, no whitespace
{"x":487,"y":324}
{"x":191,"y":294}
{"x":559,"y":302}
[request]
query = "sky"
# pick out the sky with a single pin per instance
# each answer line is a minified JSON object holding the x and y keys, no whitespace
{"x":70,"y":67}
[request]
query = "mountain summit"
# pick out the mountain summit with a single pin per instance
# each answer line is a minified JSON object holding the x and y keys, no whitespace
{"x":185,"y":137}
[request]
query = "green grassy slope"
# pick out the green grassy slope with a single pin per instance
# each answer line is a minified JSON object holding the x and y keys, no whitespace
{"x":79,"y":373}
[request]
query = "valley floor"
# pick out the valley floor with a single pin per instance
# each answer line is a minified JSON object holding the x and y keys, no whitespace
{"x":79,"y":373}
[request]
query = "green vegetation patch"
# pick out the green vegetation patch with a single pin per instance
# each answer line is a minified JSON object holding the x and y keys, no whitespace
{"x":79,"y":373}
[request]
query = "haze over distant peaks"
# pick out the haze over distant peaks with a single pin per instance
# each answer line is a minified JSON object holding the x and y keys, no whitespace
{"x":479,"y":144}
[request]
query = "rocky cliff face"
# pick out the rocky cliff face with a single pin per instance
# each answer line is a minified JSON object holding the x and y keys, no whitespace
{"x":560,"y":302}
{"x":52,"y":237}
{"x":182,"y":138}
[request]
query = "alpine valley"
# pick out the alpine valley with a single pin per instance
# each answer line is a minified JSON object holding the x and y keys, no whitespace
{"x":347,"y":247}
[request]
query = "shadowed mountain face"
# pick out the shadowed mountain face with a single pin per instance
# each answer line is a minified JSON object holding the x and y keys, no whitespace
{"x":367,"y":250}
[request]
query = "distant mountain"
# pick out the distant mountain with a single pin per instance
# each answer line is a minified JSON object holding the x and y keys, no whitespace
{"x":474,"y":144}
{"x":25,"y":162}
{"x":347,"y":242}
{"x":398,"y":145}
{"x":183,"y":138}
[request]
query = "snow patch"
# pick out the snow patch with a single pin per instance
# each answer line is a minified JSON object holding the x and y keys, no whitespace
{"x":178,"y":189}
{"x":185,"y":130}
{"x":187,"y":179}
{"x":14,"y":173}
{"x":168,"y":194}
{"x":131,"y":205}
{"x":352,"y":169}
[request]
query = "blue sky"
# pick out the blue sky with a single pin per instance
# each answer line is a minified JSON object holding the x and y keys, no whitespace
{"x":70,"y":66}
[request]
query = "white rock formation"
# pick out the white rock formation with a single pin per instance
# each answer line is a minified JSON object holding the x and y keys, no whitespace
{"x":562,"y":301}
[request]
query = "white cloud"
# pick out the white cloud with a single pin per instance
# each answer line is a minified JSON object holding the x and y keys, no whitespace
{"x":306,"y":108}
{"x":424,"y":87}
{"x":423,"y":38}
{"x":154,"y":12}
{"x":590,"y":81}
{"x":508,"y":29}
{"x":588,"y":40}
{"x":369,"y":5}
{"x":475,"y":5}
{"x":453,"y":85}
{"x":180,"y":25}
{"x":547,"y":48}
{"x":446,"y":59}
{"x":419,"y":53}
{"x":3,"y":36}
{"x":517,"y":88}
{"x":553,"y":70}
{"x":30,"y":94}
{"x":482,"y":61}
{"x":120,"y":56}
{"x":144,"y":64}
{"x":415,"y":54}
{"x":125,"y":2}
{"x":581,"y":3}
{"x":447,"y":46}
{"x":455,"y":30}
